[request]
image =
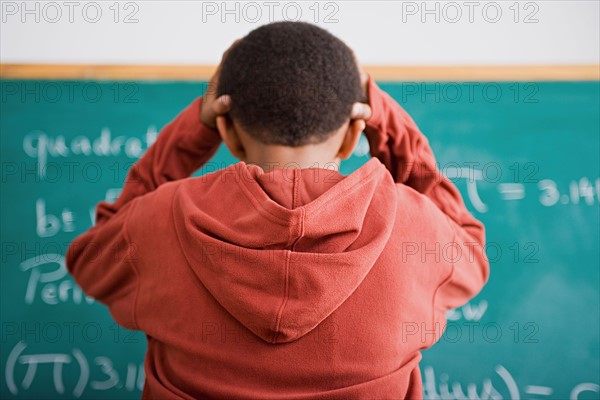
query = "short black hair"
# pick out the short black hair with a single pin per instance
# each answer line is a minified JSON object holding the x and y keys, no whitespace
{"x":291,"y":83}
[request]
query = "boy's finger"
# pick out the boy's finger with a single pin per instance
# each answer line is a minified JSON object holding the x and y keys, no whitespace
{"x":221,"y":105}
{"x":360,"y":111}
{"x":361,"y":124}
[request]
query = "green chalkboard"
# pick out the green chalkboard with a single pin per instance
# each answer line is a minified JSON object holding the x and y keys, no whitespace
{"x":524,"y":155}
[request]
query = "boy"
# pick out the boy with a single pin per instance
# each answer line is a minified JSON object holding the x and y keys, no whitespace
{"x":278,"y":277}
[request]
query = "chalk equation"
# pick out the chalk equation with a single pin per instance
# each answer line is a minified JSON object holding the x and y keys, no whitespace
{"x":506,"y":388}
{"x":21,"y":372}
{"x":549,"y":192}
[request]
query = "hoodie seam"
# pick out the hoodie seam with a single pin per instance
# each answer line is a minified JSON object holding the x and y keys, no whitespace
{"x":294,"y":236}
{"x":296,"y":188}
{"x":286,"y":292}
{"x":285,"y":297}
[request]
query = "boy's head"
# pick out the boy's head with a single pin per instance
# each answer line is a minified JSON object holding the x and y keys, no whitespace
{"x":290,"y":83}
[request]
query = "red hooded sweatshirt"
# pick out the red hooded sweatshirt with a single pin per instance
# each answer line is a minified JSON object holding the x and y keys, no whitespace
{"x":291,"y":284}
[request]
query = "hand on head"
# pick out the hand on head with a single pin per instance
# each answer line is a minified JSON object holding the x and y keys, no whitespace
{"x":213,"y":106}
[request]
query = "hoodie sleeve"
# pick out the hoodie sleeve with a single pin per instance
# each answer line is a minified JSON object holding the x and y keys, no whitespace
{"x":396,"y":141}
{"x":103,"y":260}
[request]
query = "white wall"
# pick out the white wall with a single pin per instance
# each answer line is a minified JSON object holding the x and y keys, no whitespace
{"x":383,"y":32}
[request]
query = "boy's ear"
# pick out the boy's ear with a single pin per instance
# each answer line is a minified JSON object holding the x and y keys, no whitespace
{"x":230,"y":136}
{"x":351,"y":138}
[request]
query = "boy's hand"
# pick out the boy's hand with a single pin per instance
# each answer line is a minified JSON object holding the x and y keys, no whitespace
{"x":212,"y":106}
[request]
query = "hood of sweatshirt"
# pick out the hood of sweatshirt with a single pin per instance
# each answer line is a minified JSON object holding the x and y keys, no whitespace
{"x":281,"y":251}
